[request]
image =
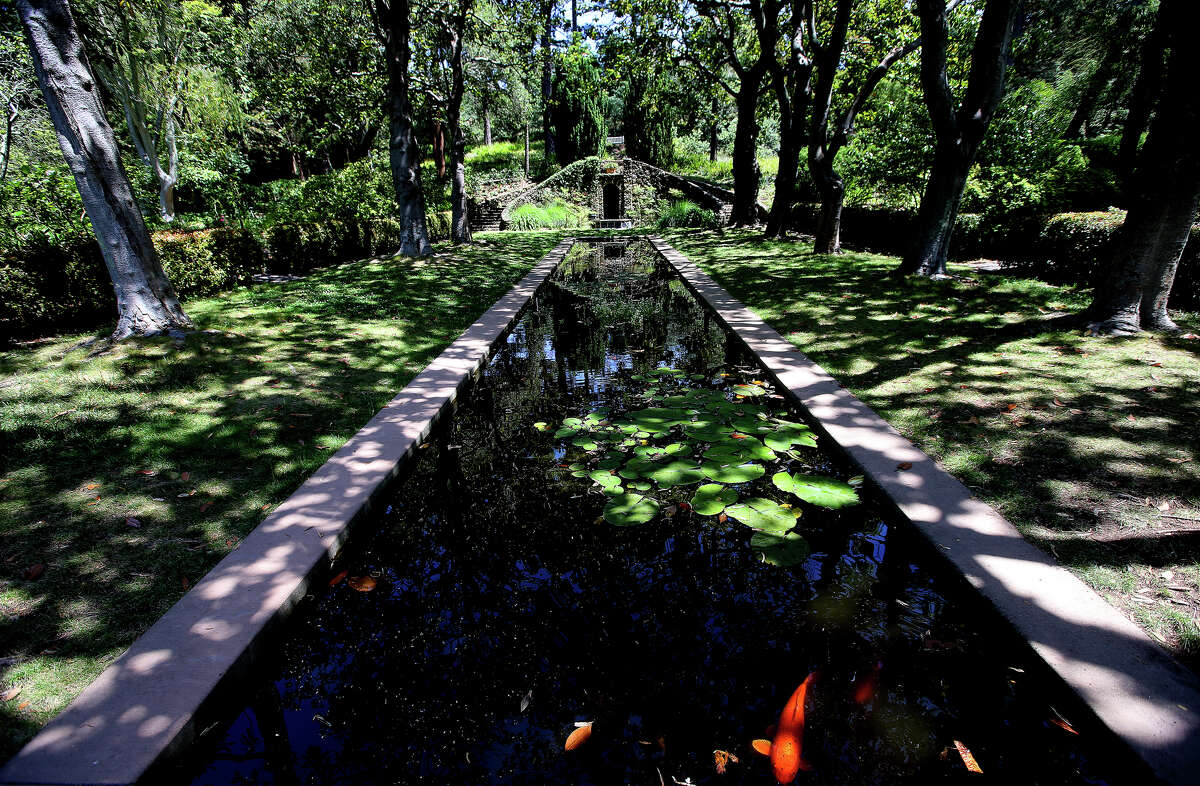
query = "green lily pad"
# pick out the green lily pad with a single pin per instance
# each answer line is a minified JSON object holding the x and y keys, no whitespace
{"x":641,"y":485}
{"x":782,"y":550}
{"x":696,"y":377}
{"x":565,"y":431}
{"x":712,"y":498}
{"x":737,"y":451}
{"x":749,"y":424}
{"x":585,"y":442}
{"x":722,"y":407}
{"x":749,"y":390}
{"x":605,"y":478}
{"x":707,"y":429}
{"x":626,"y":510}
{"x":732,"y":473}
{"x":763,"y":514}
{"x":680,"y":472}
{"x":817,"y":489}
{"x":671,"y":371}
{"x":657,"y":420}
{"x":787,"y":434}
{"x":657,"y":452}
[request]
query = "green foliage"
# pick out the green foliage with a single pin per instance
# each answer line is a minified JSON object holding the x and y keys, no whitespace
{"x":649,"y":120}
{"x":557,"y":214}
{"x":684,"y":213}
{"x":577,"y":105}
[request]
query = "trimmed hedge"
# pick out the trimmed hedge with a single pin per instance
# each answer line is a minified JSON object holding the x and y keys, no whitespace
{"x":45,"y":288}
{"x":1063,"y":248}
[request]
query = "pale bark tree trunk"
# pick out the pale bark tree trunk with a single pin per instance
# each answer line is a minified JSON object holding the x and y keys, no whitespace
{"x":394,"y":28}
{"x":146,"y":301}
{"x":526,"y":149}
{"x":957,"y":132}
{"x":713,"y":129}
{"x":1164,"y":199}
{"x":439,"y":149}
{"x":487,"y":126}
{"x":10,"y":120}
{"x":548,"y":149}
{"x":460,"y":228}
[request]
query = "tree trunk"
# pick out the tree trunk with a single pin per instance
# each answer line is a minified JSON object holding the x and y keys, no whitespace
{"x":460,"y":228}
{"x":392,"y":18}
{"x":746,"y":173}
{"x":548,"y":150}
{"x":938,"y":212}
{"x":833,"y":194}
{"x":10,"y":119}
{"x":439,"y":148}
{"x":779,"y":219}
{"x":146,"y":301}
{"x":1144,"y":96}
{"x":487,"y":126}
{"x":1165,"y":199}
{"x":526,"y":149}
{"x":958,"y":131}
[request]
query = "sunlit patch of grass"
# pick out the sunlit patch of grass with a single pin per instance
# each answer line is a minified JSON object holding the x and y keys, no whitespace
{"x":1089,"y":445}
{"x":129,"y":471}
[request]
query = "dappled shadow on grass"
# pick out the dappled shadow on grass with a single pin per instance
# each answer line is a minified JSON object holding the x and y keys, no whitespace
{"x":1078,"y":440}
{"x":128,"y":474}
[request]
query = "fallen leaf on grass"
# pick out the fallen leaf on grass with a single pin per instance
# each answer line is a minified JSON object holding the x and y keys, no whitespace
{"x":1010,"y":407}
{"x":23,"y":705}
{"x":361,"y":583}
{"x":206,"y":506}
{"x":130,"y":521}
{"x":10,"y":694}
{"x":34,"y":572}
{"x":904,"y":465}
{"x":1131,"y":417}
{"x":91,"y":486}
{"x":1190,"y":336}
{"x":185,"y":476}
{"x":146,"y":472}
{"x":336,"y":580}
{"x":1058,"y":403}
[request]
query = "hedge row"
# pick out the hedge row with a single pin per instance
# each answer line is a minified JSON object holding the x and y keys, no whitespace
{"x":1064,"y":248}
{"x":46,"y":288}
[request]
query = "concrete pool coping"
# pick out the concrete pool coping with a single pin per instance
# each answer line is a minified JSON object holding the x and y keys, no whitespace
{"x":146,"y":706}
{"x":1134,"y":687}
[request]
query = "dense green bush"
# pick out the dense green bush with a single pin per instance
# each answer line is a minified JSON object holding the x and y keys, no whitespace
{"x":649,"y":120}
{"x":576,"y":105}
{"x":685,"y":213}
{"x":556,"y":214}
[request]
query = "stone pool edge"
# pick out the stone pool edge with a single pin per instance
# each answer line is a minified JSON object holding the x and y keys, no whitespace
{"x":143,"y":707}
{"x":1133,"y":686}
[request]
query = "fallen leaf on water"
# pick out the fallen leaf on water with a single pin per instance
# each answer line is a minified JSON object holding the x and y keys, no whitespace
{"x":761,"y":746}
{"x":968,"y":759}
{"x":1062,"y":724}
{"x":10,"y":694}
{"x":361,"y":583}
{"x":33,"y":572}
{"x":904,"y":465}
{"x":578,"y":737}
{"x":722,"y":518}
{"x":184,"y":582}
{"x":722,"y":759}
{"x":336,"y":580}
{"x":526,"y":700}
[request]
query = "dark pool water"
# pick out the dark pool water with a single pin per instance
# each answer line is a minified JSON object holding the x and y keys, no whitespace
{"x":505,"y":609}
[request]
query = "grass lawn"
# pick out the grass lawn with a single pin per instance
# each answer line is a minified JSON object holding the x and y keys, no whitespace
{"x":1089,"y":445}
{"x":129,"y":473}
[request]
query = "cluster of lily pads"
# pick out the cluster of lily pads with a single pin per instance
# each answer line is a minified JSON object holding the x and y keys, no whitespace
{"x":698,"y":435}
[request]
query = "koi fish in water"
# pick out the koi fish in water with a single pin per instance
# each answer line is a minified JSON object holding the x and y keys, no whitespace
{"x":864,"y":689}
{"x":784,"y":749}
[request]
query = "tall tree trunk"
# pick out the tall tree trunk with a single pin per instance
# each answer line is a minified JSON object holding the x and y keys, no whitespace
{"x":1165,"y":199}
{"x":460,"y":228}
{"x":957,"y":132}
{"x":394,"y":27}
{"x":439,"y":148}
{"x":712,"y":133}
{"x":938,"y":212}
{"x":548,"y":149}
{"x":10,"y":119}
{"x":746,"y":173}
{"x":146,"y":301}
{"x":793,"y":92}
{"x":526,"y":149}
{"x":833,"y":193}
{"x":487,"y":126}
{"x":1144,"y":96}
{"x":790,"y":143}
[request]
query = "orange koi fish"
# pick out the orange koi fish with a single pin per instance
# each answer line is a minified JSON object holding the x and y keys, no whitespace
{"x":864,"y":689}
{"x":784,"y":750}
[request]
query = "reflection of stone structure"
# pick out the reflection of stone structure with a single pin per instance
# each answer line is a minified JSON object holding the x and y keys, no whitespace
{"x":617,"y":193}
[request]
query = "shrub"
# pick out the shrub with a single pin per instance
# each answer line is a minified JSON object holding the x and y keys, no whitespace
{"x":684,"y":213}
{"x":556,"y":214}
{"x":576,"y":105}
